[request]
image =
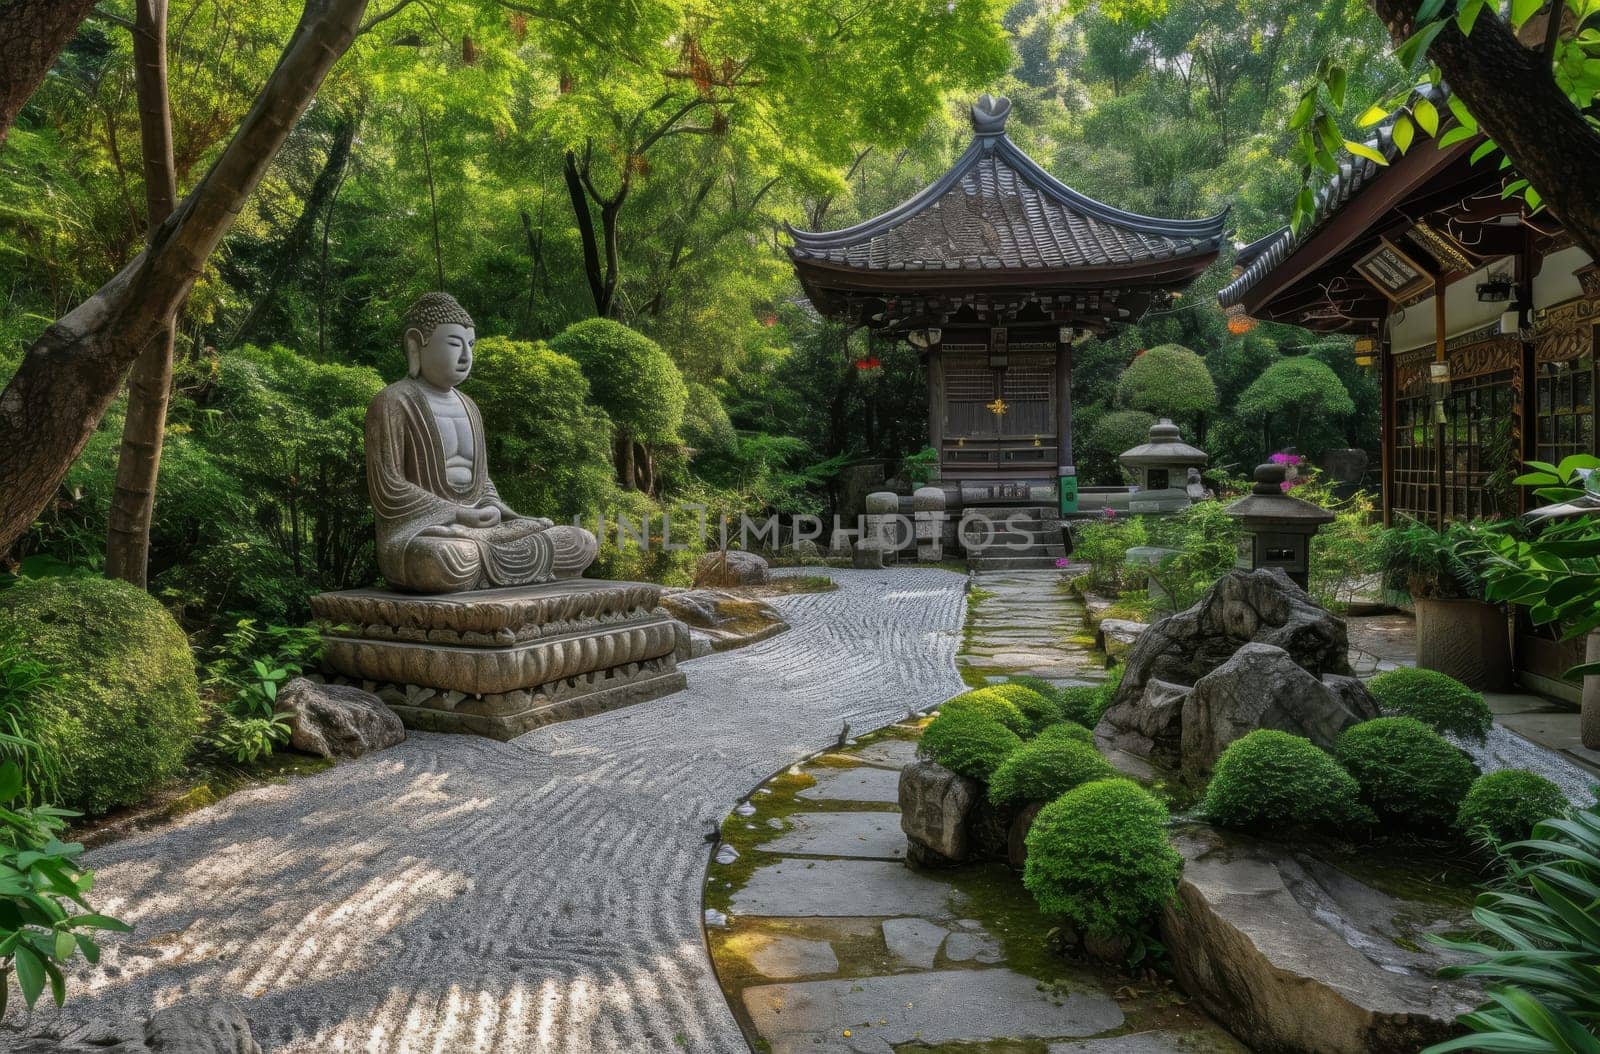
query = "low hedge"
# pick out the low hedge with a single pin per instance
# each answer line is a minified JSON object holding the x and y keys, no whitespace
{"x":1506,"y":804}
{"x":1408,"y":773}
{"x":1269,"y":780}
{"x":121,"y":706}
{"x":991,"y":703}
{"x":1436,"y":699}
{"x":969,"y":742}
{"x":1044,"y":769}
{"x":1065,"y":731}
{"x":1038,"y":704}
{"x":1098,"y":855}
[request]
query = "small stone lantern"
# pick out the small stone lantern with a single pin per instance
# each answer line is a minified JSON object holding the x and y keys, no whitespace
{"x":1278,"y":528}
{"x":1160,"y":466}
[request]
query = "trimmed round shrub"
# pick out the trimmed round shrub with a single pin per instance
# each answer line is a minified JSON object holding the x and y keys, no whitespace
{"x":1065,"y":732}
{"x":1098,"y":855}
{"x":1044,"y":769}
{"x":1040,"y":707}
{"x":1408,"y":772}
{"x":1436,"y":699}
{"x":120,"y":707}
{"x":1081,"y":703}
{"x":1270,"y":779}
{"x":1508,"y":803}
{"x":993,"y":704}
{"x":968,"y":742}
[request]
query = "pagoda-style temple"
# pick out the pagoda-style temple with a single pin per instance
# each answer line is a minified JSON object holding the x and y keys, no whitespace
{"x":993,"y":272}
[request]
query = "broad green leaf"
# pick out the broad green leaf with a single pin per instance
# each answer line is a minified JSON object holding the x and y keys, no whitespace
{"x":1522,"y":10}
{"x":1463,"y":115}
{"x":1467,"y":15}
{"x":1337,"y":80}
{"x":1512,"y":187}
{"x":1371,"y":116}
{"x":1483,"y":150}
{"x":1427,"y":116}
{"x":1458,"y":134}
{"x":1404,"y":131}
{"x":1303,"y":112}
{"x":30,"y":973}
{"x":1363,"y":150}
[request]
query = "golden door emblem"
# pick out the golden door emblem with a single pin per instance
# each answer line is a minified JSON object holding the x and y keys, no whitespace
{"x":998,"y":407}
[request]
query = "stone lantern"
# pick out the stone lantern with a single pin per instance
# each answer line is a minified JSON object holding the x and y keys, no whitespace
{"x":1278,"y":528}
{"x":1160,"y":467}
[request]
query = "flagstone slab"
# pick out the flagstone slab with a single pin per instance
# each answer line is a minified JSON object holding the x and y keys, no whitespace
{"x":940,"y":1006}
{"x":798,"y":888}
{"x":869,"y":835}
{"x":889,"y":753}
{"x":860,"y":783}
{"x":914,"y":940}
{"x":1137,"y":1043}
{"x":782,"y":957}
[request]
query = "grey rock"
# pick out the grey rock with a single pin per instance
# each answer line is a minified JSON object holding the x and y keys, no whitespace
{"x":916,"y":941}
{"x":1116,"y":636}
{"x":1148,"y":725}
{"x":867,"y":556}
{"x":337,"y":720}
{"x":1017,"y":836}
{"x":858,"y":783}
{"x":972,"y":947}
{"x":865,"y":835}
{"x":935,"y":805}
{"x":1261,"y":687}
{"x":944,"y":1006}
{"x":801,"y":888}
{"x":889,"y":753}
{"x":731,"y":567}
{"x":1290,"y":953}
{"x":781,"y":957}
{"x":722,"y":619}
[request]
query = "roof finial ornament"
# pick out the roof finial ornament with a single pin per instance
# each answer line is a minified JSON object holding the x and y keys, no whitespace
{"x":989,"y":114}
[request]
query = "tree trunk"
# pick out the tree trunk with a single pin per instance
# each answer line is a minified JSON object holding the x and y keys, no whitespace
{"x":625,"y":465}
{"x":72,"y":372}
{"x":1511,"y":91}
{"x":296,"y":246}
{"x":580,"y":188}
{"x":133,"y":501}
{"x":35,"y":33}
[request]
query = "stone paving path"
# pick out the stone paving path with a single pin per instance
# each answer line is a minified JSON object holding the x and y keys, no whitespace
{"x":456,"y":894}
{"x":1026,"y":622}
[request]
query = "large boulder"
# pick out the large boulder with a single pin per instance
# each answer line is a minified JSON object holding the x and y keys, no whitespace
{"x":718,"y":620}
{"x":1262,"y":687}
{"x":1293,"y":954}
{"x":337,"y":720}
{"x":731,"y":567}
{"x":1176,"y":654}
{"x":935,"y":808}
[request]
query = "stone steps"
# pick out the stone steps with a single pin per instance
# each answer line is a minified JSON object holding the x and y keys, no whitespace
{"x":1012,"y":563}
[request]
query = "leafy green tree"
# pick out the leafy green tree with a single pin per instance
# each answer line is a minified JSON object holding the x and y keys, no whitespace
{"x":549,"y":449}
{"x":1170,"y":381}
{"x":1299,"y":402}
{"x":1114,"y":433}
{"x":635,"y":382}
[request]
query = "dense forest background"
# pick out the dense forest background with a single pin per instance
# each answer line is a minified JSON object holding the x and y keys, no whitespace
{"x":549,"y":169}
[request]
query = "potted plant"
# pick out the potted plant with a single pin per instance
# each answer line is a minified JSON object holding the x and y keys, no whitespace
{"x":1458,"y":631}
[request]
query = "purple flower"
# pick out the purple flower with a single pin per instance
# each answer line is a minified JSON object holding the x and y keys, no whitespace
{"x":1285,"y":459}
{"x":1063,"y":562}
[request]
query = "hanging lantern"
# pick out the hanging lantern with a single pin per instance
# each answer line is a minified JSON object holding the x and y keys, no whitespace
{"x":869,"y":363}
{"x":1363,"y":360}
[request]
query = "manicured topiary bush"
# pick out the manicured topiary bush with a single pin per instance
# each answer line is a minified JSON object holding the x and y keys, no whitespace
{"x":1045,"y":768}
{"x":969,"y":742}
{"x":1080,"y":703}
{"x":122,"y":707}
{"x":1065,"y":732}
{"x":1040,"y":707}
{"x":1508,"y":803}
{"x":991,"y":703}
{"x":1270,"y":780}
{"x":1436,"y":699}
{"x":1408,"y":773}
{"x":1098,"y":855}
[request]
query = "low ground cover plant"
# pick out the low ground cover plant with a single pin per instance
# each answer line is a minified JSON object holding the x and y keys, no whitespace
{"x":1409,"y":774}
{"x":1436,"y":699}
{"x":1271,"y":781}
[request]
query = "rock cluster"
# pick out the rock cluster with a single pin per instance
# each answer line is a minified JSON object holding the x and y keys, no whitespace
{"x":337,"y":720}
{"x":1255,"y":652}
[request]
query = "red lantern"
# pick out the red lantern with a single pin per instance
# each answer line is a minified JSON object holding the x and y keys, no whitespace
{"x":869,"y":363}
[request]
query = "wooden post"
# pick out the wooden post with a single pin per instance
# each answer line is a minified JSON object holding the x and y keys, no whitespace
{"x":936,"y":409}
{"x":1386,"y":434}
{"x":1528,"y":373}
{"x":1438,"y":400}
{"x":1064,"y":464}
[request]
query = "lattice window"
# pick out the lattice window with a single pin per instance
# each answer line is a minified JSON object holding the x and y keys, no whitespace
{"x":1413,"y":485}
{"x":968,"y":381}
{"x":1564,"y":409}
{"x":1480,"y":415}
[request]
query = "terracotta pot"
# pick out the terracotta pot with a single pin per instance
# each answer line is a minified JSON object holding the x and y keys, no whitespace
{"x":1590,"y":720}
{"x":1467,"y":639}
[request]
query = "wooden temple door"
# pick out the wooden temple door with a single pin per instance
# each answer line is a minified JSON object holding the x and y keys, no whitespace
{"x":999,"y":413}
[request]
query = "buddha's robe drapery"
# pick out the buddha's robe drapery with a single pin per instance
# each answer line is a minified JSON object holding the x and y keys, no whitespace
{"x":421,"y":545}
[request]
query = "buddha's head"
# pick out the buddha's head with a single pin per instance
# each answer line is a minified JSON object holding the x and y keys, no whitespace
{"x":439,"y":336}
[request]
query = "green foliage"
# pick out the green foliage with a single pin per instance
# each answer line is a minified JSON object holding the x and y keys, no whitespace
{"x":1065,"y":732}
{"x":1408,"y":773}
{"x":1116,"y":432}
{"x":1540,"y":946}
{"x":631,"y":378}
{"x":994,"y":703}
{"x":1207,"y":542}
{"x":968,"y":742}
{"x":1428,"y":564}
{"x":1104,"y":545}
{"x":42,"y":886}
{"x":549,"y":449}
{"x":1168,"y":381}
{"x":1038,"y":705}
{"x":1081,"y":703}
{"x":1508,"y":803}
{"x":1269,"y":781}
{"x":245,"y":671}
{"x":1346,"y":552}
{"x":1299,"y":402}
{"x":124,"y":706}
{"x":1098,"y":855}
{"x":22,"y":677}
{"x":1043,"y":769}
{"x":1436,"y":699}
{"x":706,"y":425}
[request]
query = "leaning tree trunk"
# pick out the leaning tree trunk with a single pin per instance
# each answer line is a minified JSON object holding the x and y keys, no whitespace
{"x":133,"y":502}
{"x":70,"y":375}
{"x":35,"y":32}
{"x":1511,"y":91}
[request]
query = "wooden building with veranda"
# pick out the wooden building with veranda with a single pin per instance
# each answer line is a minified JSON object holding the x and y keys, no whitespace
{"x":1479,"y":315}
{"x":992,"y":272}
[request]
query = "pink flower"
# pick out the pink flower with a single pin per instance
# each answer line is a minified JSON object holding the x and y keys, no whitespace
{"x":1285,"y":459}
{"x":1063,"y":562}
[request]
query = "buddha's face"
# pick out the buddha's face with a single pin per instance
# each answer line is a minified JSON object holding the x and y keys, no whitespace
{"x":444,"y":358}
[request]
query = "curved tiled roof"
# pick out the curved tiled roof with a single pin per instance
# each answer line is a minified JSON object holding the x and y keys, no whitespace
{"x":1261,"y":256}
{"x":997,"y":209}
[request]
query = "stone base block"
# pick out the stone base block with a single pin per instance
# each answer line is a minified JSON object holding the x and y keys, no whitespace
{"x":498,"y":662}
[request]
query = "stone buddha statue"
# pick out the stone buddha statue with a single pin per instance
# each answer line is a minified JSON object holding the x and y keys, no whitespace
{"x":442,"y":527}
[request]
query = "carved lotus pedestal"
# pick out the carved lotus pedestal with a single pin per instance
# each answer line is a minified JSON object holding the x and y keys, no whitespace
{"x":498,"y":662}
